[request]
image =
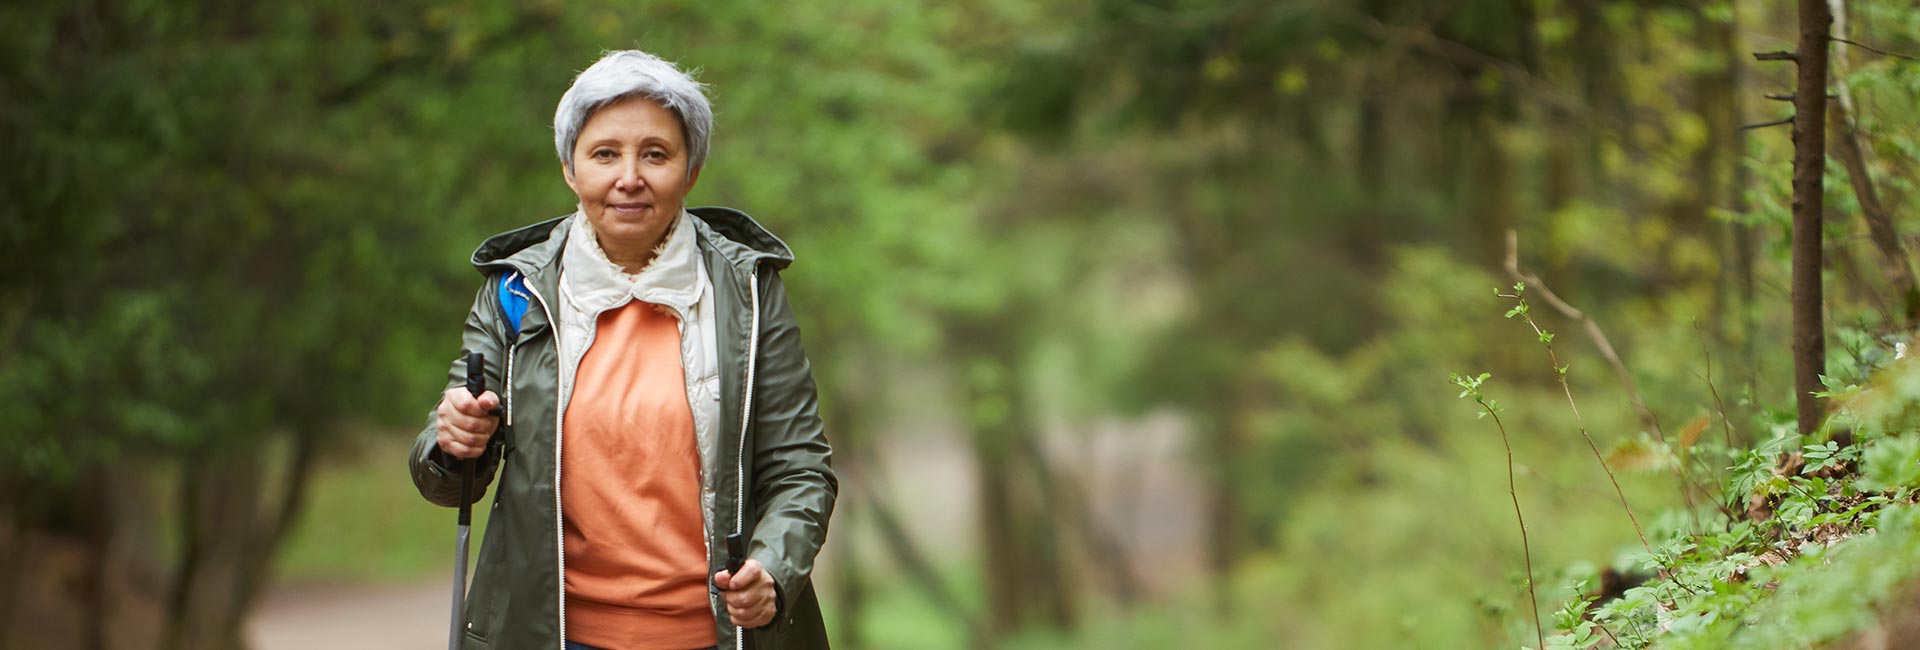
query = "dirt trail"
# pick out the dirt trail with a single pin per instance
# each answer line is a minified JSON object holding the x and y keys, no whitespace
{"x":368,"y":617}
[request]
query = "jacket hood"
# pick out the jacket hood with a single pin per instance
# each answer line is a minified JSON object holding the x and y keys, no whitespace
{"x":732,"y":233}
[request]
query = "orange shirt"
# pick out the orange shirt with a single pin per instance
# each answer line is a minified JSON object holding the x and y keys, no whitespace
{"x":636,"y":559}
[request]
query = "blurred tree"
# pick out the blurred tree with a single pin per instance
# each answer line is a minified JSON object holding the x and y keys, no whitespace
{"x":230,"y":228}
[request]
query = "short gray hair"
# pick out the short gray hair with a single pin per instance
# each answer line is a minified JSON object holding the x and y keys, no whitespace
{"x":632,"y":73}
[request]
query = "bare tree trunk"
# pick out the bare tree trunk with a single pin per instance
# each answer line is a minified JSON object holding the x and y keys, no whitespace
{"x":220,"y":497}
{"x":187,"y":567}
{"x":1493,"y":171}
{"x":13,"y":565}
{"x":843,"y":422}
{"x":1809,"y":160}
{"x":1230,"y":533}
{"x":1713,"y":91}
{"x":1368,"y":233}
{"x":1720,"y":165}
{"x":1001,"y":551}
{"x":231,"y":522}
{"x":1025,"y":576}
{"x":1745,"y":239}
{"x":1847,"y":146}
{"x":1594,"y":45}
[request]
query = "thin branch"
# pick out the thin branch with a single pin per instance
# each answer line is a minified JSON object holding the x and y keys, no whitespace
{"x":1775,"y":56}
{"x":1762,"y":125}
{"x":1872,"y":49}
{"x":1849,"y":147}
{"x":1526,"y":548}
{"x":388,"y":68}
{"x":1787,"y":97}
{"x":1427,"y":41}
{"x":1603,"y":628}
{"x":1560,"y":371}
{"x":920,"y":571}
{"x":1606,"y":350}
{"x":1592,"y":329}
{"x":1726,"y":425}
{"x":1072,"y":506}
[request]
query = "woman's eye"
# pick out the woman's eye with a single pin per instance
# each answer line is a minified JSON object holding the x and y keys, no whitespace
{"x":656,"y":154}
{"x":602,"y":154}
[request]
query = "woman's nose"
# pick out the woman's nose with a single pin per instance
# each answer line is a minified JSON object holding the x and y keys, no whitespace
{"x":629,"y":181}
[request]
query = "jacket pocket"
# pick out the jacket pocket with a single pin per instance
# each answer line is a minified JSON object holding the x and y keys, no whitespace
{"x":483,"y":597}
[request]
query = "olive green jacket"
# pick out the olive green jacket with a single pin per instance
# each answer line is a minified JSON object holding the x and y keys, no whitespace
{"x":772,"y":482}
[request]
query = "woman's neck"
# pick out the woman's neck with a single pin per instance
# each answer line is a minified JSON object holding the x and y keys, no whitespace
{"x":630,"y":263}
{"x":633,"y":256}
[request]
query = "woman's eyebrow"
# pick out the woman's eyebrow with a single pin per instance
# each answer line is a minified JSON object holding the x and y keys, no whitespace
{"x":614,"y":140}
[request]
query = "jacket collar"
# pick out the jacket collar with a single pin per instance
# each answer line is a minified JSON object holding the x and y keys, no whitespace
{"x":738,"y":238}
{"x":592,"y":283}
{"x":535,"y":250}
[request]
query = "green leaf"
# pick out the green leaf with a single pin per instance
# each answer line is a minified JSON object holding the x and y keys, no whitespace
{"x":1892,"y":463}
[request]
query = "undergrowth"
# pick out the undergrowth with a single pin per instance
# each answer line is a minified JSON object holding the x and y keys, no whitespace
{"x":1812,"y":538}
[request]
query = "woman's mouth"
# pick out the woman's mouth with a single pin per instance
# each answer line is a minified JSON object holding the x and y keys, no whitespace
{"x":629,"y":208}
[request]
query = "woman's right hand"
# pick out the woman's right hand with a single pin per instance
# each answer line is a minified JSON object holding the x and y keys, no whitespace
{"x":466,"y":422}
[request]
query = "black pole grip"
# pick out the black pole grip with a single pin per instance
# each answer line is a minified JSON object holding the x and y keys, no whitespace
{"x":736,"y":553}
{"x":476,"y":384}
{"x":476,"y":373}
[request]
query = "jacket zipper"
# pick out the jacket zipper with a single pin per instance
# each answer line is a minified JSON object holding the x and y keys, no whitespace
{"x":559,"y":528}
{"x":740,"y":463}
{"x":746,"y":418}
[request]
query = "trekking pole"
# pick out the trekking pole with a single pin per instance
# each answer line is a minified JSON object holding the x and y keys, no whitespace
{"x":476,"y":384}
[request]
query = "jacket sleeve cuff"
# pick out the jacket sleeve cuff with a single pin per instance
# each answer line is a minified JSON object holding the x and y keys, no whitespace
{"x":781,"y":592}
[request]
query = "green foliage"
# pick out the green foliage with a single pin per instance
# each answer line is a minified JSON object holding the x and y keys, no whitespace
{"x":231,"y":225}
{"x":1893,"y":463}
{"x":1838,"y":543}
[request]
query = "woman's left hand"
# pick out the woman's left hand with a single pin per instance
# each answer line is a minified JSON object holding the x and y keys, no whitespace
{"x":749,"y":595}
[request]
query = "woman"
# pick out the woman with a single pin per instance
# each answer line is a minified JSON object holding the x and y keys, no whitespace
{"x":656,"y":399}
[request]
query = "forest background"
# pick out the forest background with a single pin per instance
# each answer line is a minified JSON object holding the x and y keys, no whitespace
{"x":1133,"y":320}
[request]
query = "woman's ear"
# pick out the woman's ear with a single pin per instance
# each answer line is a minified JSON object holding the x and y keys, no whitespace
{"x":693,"y":178}
{"x":566,"y":172}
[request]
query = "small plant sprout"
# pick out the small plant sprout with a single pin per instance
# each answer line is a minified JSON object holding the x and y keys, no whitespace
{"x":1470,"y":389}
{"x":1521,"y":310}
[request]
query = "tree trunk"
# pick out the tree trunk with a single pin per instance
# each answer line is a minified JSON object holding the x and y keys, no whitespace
{"x":1717,"y":160}
{"x":1368,"y":234}
{"x":1594,"y":45}
{"x":1227,"y":519}
{"x":1745,"y":238}
{"x":843,"y":421}
{"x":1024,"y":575}
{"x":1561,"y":167}
{"x":231,"y":522}
{"x":1809,"y":161}
{"x":1494,"y":197}
{"x":1000,"y":550}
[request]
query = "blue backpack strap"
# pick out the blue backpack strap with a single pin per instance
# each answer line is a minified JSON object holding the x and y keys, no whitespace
{"x":513,"y":299}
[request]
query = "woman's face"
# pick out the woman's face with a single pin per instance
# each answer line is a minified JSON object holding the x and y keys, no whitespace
{"x":630,"y":171}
